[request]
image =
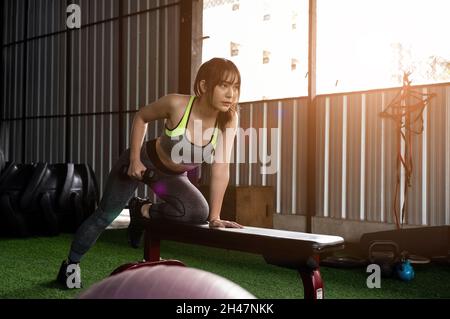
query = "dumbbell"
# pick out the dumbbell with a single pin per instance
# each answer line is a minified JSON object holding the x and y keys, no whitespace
{"x":148,"y":177}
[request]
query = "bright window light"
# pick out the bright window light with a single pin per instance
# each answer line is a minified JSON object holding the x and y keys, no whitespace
{"x":368,"y":44}
{"x":361,"y":45}
{"x":266,"y":39}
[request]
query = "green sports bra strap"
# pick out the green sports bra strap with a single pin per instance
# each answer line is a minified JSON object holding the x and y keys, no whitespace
{"x":179,"y":130}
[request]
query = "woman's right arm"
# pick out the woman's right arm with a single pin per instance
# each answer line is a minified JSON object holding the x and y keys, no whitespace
{"x":160,"y":109}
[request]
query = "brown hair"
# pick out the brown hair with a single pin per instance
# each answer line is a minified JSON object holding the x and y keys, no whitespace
{"x":214,"y":72}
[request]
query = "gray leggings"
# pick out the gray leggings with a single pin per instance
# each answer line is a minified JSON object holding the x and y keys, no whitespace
{"x":182,"y":200}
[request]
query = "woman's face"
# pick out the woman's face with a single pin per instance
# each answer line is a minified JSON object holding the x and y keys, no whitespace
{"x":225,"y":94}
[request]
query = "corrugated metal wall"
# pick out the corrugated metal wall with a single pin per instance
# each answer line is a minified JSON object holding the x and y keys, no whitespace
{"x":356,"y":156}
{"x":69,"y":81}
{"x":279,"y":131}
{"x":61,"y":90}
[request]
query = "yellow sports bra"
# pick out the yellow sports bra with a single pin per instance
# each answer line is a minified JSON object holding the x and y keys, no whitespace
{"x":176,"y":144}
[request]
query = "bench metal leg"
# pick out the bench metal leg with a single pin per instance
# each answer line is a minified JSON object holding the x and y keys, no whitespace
{"x":151,"y":248}
{"x":312,"y":283}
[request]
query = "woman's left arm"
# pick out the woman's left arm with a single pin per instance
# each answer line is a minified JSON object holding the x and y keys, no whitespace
{"x":220,"y":175}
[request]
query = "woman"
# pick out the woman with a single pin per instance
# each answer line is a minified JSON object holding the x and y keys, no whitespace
{"x":198,"y":129}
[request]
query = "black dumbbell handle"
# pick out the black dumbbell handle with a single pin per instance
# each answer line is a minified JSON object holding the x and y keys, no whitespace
{"x":148,"y":176}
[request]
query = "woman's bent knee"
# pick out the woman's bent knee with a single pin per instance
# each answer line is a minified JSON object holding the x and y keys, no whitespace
{"x":200,"y":212}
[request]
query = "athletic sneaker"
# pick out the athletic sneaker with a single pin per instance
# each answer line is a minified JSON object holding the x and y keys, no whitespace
{"x":137,"y":221}
{"x":69,"y":275}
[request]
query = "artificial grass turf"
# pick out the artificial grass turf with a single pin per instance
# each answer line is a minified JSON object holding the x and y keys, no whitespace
{"x":29,"y":267}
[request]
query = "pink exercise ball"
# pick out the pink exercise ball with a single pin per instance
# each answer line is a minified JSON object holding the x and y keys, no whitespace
{"x":165,"y":282}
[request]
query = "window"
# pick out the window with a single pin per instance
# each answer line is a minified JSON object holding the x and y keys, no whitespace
{"x":368,"y":44}
{"x":361,"y":45}
{"x":268,"y":41}
{"x":234,"y":47}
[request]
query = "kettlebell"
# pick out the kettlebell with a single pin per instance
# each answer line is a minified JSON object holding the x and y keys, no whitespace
{"x":384,"y":253}
{"x":405,"y":270}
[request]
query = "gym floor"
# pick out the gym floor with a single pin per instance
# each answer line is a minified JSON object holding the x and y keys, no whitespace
{"x":43,"y":256}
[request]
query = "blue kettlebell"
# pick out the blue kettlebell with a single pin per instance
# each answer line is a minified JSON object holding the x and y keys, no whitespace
{"x":405,"y":271}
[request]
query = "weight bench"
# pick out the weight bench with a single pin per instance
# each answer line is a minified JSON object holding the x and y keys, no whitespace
{"x":294,"y":250}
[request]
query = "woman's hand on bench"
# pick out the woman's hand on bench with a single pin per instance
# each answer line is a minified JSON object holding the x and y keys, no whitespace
{"x":219,"y":223}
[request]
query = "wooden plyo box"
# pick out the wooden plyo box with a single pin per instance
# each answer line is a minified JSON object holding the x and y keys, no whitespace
{"x":247,"y":205}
